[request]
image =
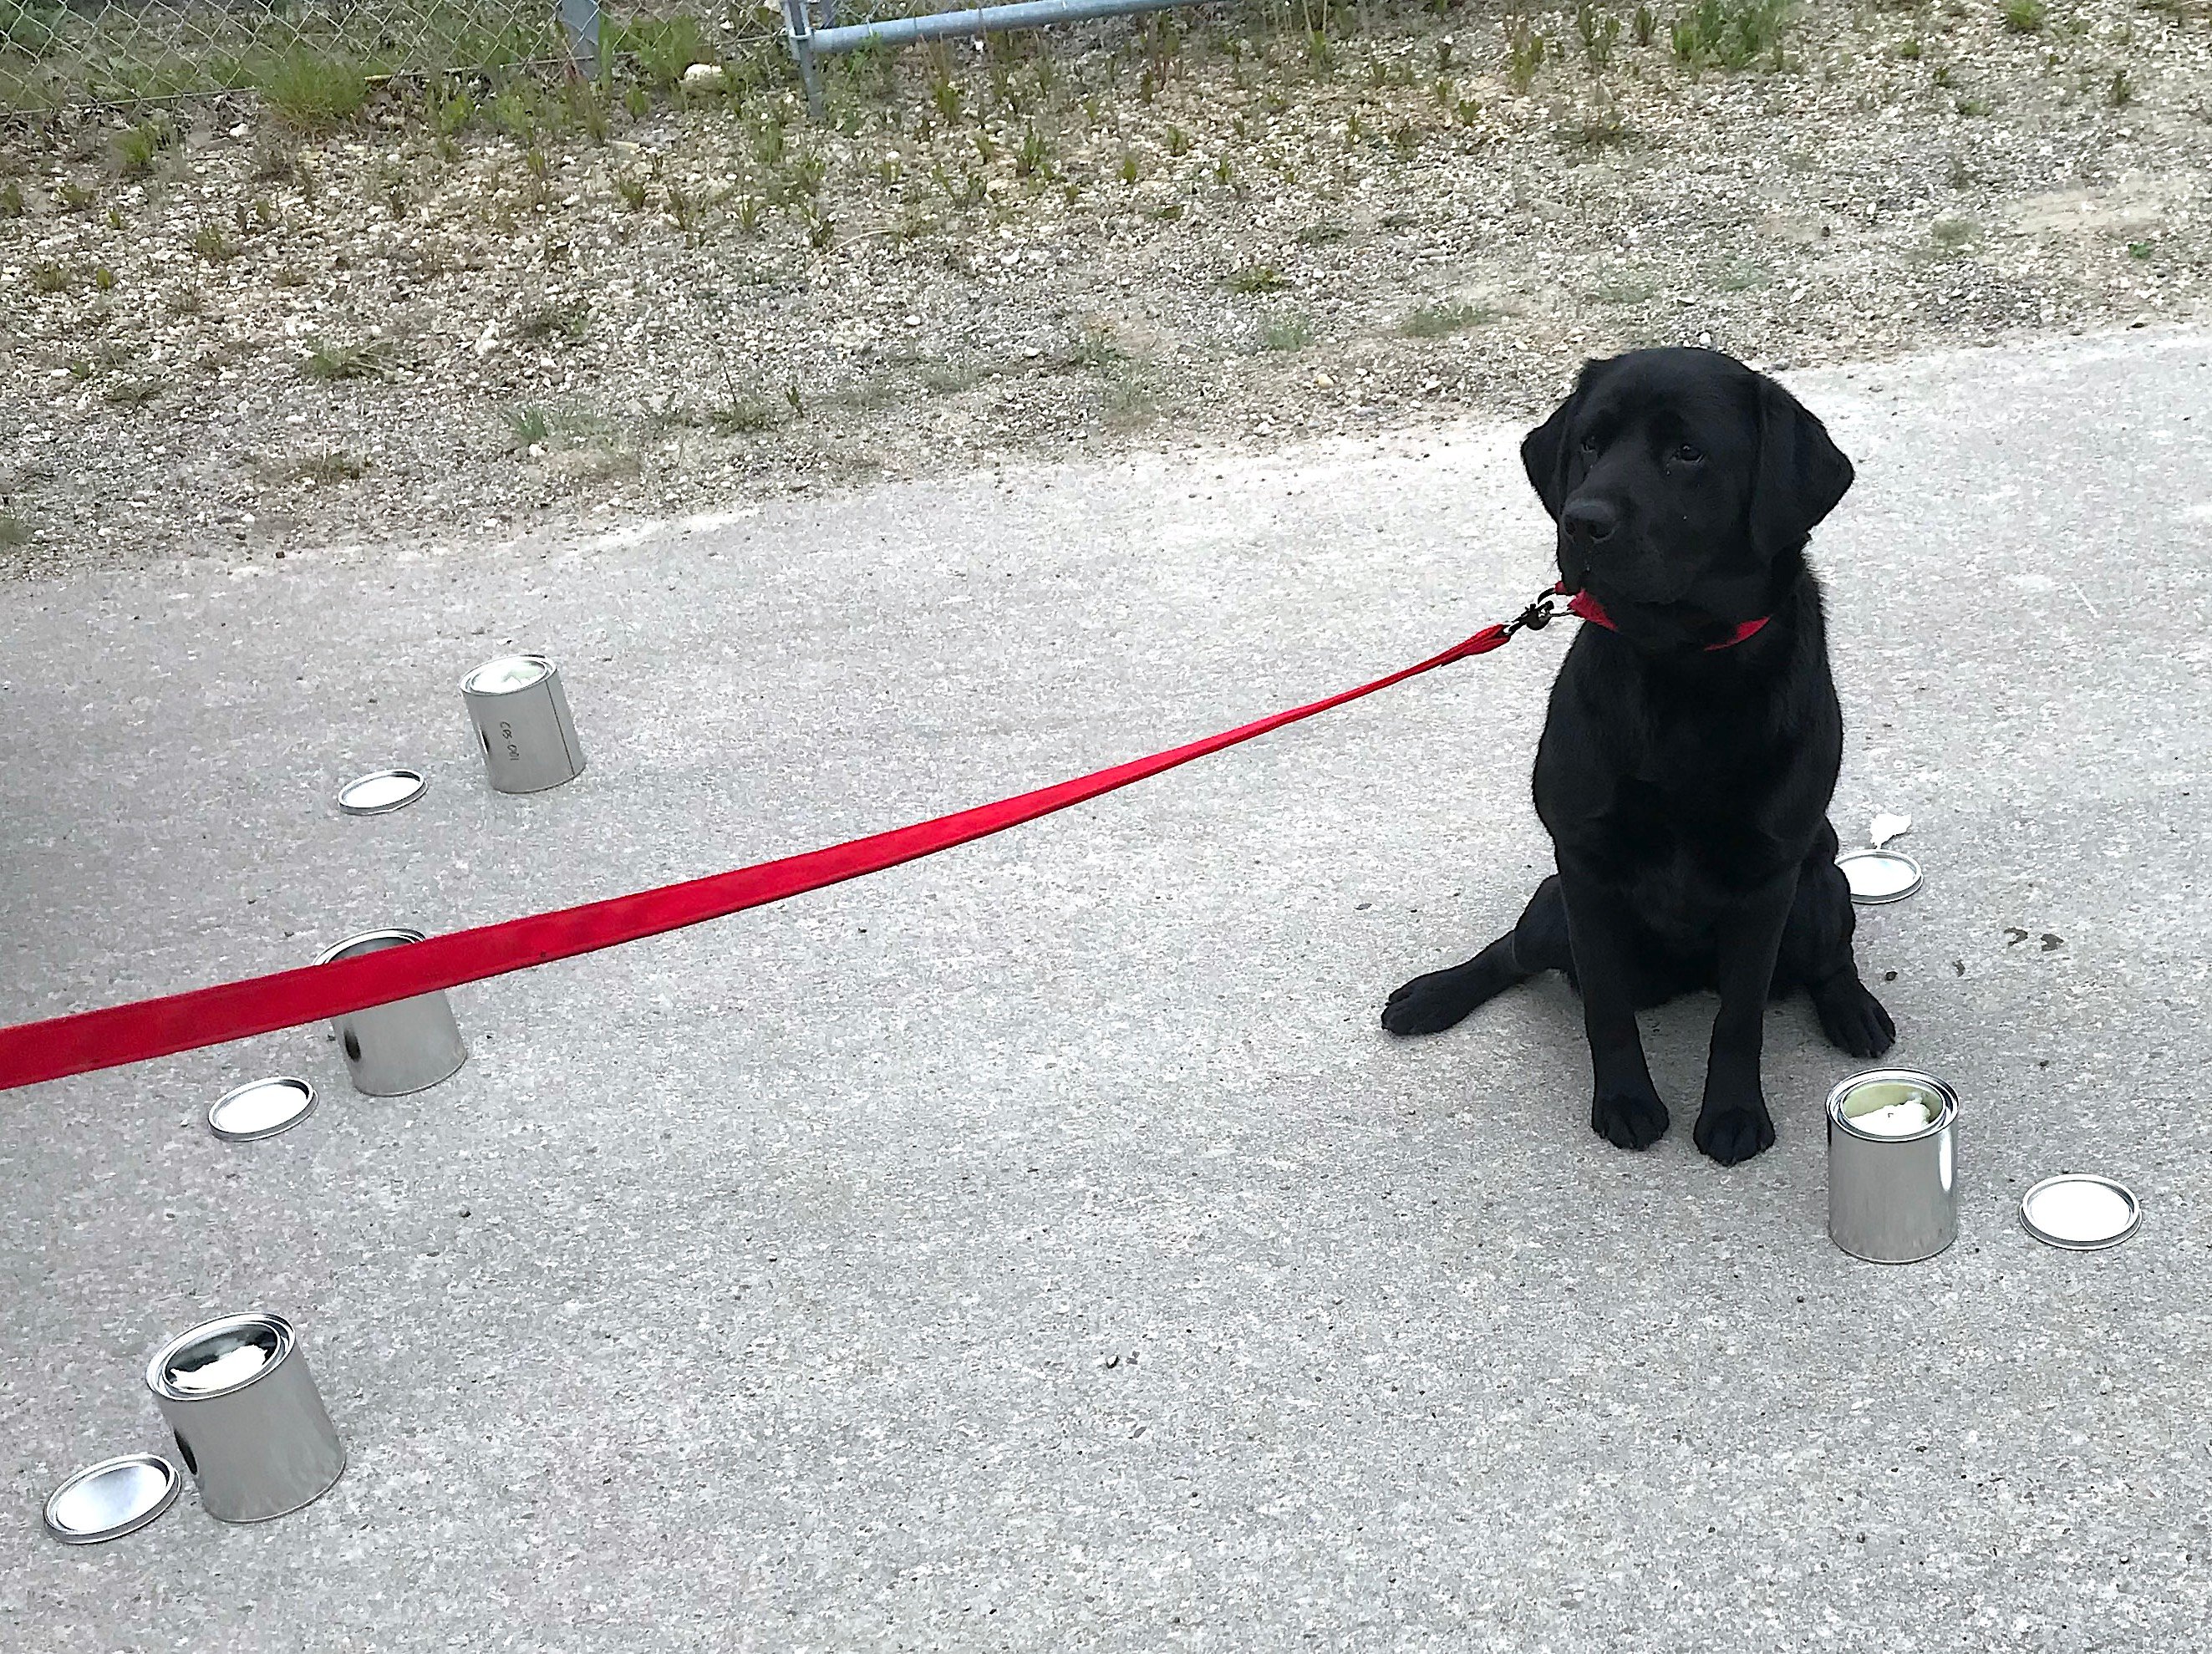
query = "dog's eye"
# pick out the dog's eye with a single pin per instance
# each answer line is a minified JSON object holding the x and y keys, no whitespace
{"x":1689,"y":453}
{"x":1589,"y":444}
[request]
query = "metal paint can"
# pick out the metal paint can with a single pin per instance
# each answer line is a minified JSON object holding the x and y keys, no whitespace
{"x":1893,"y":1165}
{"x":249,"y":1422}
{"x":407,"y":1046}
{"x":520,"y":715}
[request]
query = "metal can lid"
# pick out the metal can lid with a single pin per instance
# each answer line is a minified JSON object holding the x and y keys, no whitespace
{"x":507,"y":674}
{"x":1878,"y":876}
{"x":382,"y":791}
{"x":111,"y":1498}
{"x":248,"y":1113}
{"x":2081,"y":1213}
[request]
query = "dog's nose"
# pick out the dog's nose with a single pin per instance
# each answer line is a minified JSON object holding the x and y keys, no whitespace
{"x":1590,"y":520}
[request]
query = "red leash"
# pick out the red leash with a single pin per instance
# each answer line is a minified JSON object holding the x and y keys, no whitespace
{"x":108,"y":1038}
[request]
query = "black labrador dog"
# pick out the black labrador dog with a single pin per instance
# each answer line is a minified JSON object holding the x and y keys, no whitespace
{"x":1691,"y":744}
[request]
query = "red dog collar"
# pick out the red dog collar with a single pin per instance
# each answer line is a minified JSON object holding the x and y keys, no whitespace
{"x":1589,"y":608}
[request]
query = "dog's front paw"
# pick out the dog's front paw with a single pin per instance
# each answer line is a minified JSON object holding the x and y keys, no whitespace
{"x":1430,"y":1004}
{"x":1731,"y":1132}
{"x":1630,"y":1119}
{"x":1853,"y":1019}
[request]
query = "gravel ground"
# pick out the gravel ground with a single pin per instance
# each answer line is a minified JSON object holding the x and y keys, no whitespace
{"x":1183,"y":230}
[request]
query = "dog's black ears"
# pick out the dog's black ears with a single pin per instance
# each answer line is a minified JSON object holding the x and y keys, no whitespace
{"x":1802,"y":473}
{"x":1544,"y":450}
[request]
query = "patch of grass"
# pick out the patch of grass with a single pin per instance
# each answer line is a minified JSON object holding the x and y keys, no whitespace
{"x":1525,"y":51}
{"x":2140,"y":249}
{"x":103,"y":278}
{"x":1730,"y":33}
{"x":2025,"y":16}
{"x":1436,"y":321}
{"x":73,"y":197}
{"x":47,"y":277}
{"x":275,"y":163}
{"x":211,"y":244}
{"x":688,"y":212}
{"x":1178,"y":141}
{"x":1033,"y":159}
{"x":632,"y":191}
{"x":1600,"y":31}
{"x":1953,"y":236}
{"x":1595,"y":129}
{"x":1322,"y":232}
{"x":2120,"y":91}
{"x":1626,"y":290}
{"x":1909,"y":48}
{"x":136,"y":150}
{"x":566,"y":321}
{"x":14,"y":532}
{"x":1097,"y":348}
{"x":1645,"y":24}
{"x":11,"y":200}
{"x":1286,"y":333}
{"x":529,"y":427}
{"x":313,"y":92}
{"x":331,"y":465}
{"x":133,"y":393}
{"x":743,"y":415}
{"x":364,"y":359}
{"x":1254,"y":278}
{"x":664,"y":50}
{"x":945,"y":98}
{"x":948,"y":378}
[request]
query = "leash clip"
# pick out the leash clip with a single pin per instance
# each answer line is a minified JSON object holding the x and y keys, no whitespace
{"x":1537,"y":616}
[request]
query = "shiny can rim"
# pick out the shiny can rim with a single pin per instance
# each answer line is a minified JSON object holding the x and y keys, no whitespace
{"x":422,"y":785}
{"x":157,"y":1370}
{"x":131,"y":1523}
{"x":306,"y":1107}
{"x":1901,"y":1076}
{"x":1884,"y":854}
{"x":2065,"y":1243}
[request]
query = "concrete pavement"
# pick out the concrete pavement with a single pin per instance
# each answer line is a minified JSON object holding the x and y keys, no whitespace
{"x":1041,"y":1245}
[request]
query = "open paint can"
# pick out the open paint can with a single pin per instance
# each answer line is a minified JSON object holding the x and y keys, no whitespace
{"x":1893,"y":1165}
{"x":520,"y":716}
{"x":408,"y":1045}
{"x":249,"y":1422}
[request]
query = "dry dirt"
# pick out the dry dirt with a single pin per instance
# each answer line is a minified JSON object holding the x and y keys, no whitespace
{"x":1166,"y":233}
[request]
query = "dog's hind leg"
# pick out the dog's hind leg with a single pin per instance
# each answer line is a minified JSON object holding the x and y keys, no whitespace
{"x":1430,"y":1004}
{"x":1816,"y":952}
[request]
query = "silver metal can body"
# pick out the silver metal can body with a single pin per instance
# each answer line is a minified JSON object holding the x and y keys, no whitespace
{"x":520,"y":715}
{"x":408,"y":1045}
{"x":1893,"y":1197}
{"x":249,"y":1423}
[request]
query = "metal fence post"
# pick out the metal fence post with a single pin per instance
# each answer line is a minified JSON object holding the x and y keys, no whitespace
{"x":579,"y":23}
{"x":800,"y":26}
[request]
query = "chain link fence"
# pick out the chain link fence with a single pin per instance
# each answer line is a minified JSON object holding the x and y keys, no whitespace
{"x":73,"y":55}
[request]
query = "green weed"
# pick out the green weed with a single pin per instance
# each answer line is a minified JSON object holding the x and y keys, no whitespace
{"x":371,"y":358}
{"x":1436,"y":321}
{"x":313,"y":93}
